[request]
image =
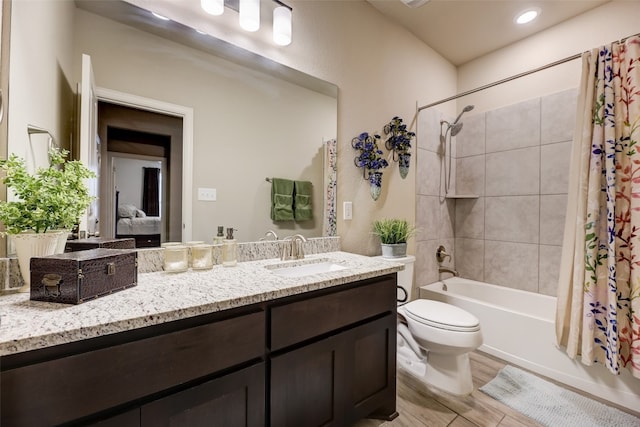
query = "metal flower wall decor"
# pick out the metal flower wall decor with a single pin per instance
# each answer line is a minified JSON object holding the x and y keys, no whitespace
{"x":370,"y":160}
{"x":370,"y":157}
{"x":399,"y":142}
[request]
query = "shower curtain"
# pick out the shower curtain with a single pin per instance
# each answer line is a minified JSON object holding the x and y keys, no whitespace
{"x":598,"y":314}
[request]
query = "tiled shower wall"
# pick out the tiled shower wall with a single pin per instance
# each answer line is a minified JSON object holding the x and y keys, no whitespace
{"x":516,"y":159}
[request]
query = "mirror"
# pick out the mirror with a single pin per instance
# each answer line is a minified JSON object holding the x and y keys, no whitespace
{"x":252,"y":118}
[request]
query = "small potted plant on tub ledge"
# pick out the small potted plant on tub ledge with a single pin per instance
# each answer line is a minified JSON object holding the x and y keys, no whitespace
{"x":393,"y":234}
{"x":44,"y":207}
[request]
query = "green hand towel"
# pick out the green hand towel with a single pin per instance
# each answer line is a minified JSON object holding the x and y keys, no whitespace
{"x":281,"y":199}
{"x":302,"y":209}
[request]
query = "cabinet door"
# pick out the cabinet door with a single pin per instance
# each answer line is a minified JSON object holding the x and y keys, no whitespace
{"x":237,"y":399}
{"x":338,"y":380}
{"x":371,"y":352}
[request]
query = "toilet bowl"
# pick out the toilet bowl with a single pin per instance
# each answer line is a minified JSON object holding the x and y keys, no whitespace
{"x":435,"y":338}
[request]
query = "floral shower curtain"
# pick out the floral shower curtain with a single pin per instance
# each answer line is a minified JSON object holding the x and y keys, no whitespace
{"x":598,"y":314}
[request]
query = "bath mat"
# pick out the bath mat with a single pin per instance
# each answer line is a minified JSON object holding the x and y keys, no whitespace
{"x":551,"y":405}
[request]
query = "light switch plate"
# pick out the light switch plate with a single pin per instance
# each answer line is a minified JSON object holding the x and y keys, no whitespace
{"x":347,"y":210}
{"x":207,"y":194}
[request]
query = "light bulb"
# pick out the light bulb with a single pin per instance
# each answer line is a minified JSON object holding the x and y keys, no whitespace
{"x":282,"y":25}
{"x":250,"y":15}
{"x":527,"y":15}
{"x":213,"y":7}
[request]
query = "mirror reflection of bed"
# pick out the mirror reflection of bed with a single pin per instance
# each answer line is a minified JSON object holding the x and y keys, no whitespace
{"x":139,"y":190}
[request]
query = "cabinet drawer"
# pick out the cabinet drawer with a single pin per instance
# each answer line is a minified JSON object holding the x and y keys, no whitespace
{"x":86,"y":383}
{"x":297,"y":321}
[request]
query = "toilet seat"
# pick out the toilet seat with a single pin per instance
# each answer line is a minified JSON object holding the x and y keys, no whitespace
{"x":441,"y":315}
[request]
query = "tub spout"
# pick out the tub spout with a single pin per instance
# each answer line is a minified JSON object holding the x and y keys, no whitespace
{"x":448,"y":270}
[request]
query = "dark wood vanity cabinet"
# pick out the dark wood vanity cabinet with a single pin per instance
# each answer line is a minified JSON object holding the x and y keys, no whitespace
{"x":338,"y":380}
{"x":347,"y":369}
{"x":321,"y":358}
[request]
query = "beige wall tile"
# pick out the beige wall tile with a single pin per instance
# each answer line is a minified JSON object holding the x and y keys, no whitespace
{"x":514,"y":126}
{"x":470,"y":218}
{"x":470,"y":175}
{"x":470,"y":258}
{"x":555,"y":160}
{"x":513,"y":173}
{"x":549,"y":269}
{"x":512,"y":218}
{"x":514,"y":265}
{"x":552,"y":215}
{"x":427,"y":163}
{"x":558,"y":116}
{"x":471,"y":140}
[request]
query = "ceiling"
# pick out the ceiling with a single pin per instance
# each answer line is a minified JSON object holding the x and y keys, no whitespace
{"x":462,"y":30}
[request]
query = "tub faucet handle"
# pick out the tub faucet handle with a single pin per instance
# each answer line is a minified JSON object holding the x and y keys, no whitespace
{"x":441,"y":254}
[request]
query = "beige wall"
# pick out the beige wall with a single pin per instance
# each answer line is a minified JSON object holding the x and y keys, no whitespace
{"x":611,"y":21}
{"x":41,"y":91}
{"x":381,"y":71}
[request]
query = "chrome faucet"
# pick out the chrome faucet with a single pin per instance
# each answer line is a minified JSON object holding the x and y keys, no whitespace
{"x":447,"y":270}
{"x":269,"y":233}
{"x":292,"y":247}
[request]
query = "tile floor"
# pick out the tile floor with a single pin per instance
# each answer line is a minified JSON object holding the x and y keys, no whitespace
{"x":421,"y":406}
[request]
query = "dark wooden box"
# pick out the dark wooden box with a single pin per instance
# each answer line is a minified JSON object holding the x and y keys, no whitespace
{"x":75,"y":277}
{"x":99,"y":242}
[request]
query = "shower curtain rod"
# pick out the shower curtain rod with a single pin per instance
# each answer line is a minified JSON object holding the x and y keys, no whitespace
{"x":508,"y":79}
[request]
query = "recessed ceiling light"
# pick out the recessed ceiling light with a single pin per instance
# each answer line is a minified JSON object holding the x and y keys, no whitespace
{"x":157,"y":15}
{"x":527,"y":15}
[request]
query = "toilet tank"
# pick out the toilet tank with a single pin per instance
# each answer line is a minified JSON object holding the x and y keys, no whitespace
{"x":405,"y":277}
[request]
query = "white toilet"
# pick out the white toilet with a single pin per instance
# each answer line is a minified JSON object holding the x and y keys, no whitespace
{"x":435,"y":341}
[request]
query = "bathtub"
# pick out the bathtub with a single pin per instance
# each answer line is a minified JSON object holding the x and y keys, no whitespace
{"x":518,"y":327}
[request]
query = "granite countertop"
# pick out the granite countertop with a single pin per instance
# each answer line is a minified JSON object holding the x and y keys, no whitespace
{"x":163,"y":297}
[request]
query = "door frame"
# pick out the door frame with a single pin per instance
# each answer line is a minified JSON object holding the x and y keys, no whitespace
{"x":186,"y":113}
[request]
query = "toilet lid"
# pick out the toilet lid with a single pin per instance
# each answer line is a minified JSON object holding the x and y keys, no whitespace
{"x":440,"y":315}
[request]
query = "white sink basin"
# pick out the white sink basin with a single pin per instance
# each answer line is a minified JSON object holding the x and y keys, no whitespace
{"x":305,"y":269}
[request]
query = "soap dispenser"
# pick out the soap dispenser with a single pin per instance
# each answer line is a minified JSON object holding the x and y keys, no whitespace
{"x":229,"y":250}
{"x":219,"y":238}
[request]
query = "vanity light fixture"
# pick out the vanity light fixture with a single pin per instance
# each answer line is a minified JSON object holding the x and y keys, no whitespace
{"x":213,"y":7}
{"x":282,"y":24}
{"x":527,"y":15}
{"x":250,"y":15}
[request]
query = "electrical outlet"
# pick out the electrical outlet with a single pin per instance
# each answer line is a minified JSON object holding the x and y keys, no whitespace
{"x":207,"y":194}
{"x":347,"y":210}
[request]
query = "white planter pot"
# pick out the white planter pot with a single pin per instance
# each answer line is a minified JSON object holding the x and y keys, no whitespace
{"x":397,"y":250}
{"x":62,"y":239}
{"x":29,"y":245}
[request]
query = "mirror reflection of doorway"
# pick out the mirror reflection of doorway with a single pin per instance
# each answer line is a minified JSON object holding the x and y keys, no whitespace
{"x":137,"y":184}
{"x":138,"y":137}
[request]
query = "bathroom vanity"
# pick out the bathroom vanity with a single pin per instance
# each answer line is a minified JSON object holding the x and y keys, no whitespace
{"x":230,"y":346}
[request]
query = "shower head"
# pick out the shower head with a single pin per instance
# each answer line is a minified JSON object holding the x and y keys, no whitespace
{"x":456,"y":128}
{"x":464,"y":110}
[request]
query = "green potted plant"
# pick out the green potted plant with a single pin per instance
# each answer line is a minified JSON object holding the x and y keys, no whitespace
{"x":393,"y":234}
{"x":45,"y":204}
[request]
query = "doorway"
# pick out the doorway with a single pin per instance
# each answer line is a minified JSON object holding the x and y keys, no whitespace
{"x":139,"y":135}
